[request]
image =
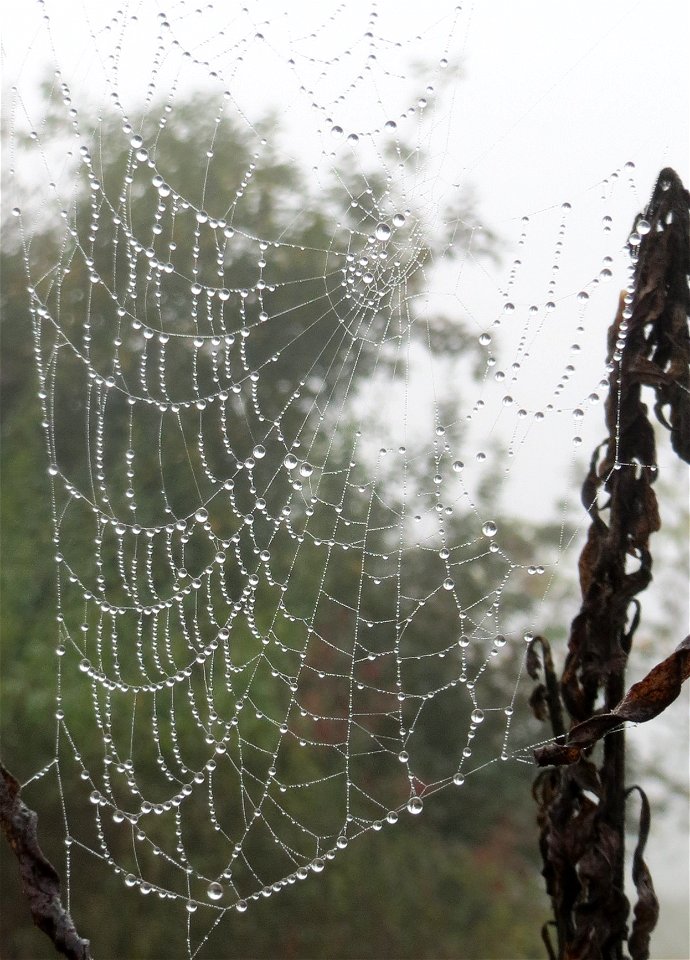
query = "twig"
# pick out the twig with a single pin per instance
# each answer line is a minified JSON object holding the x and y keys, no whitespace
{"x":40,"y":881}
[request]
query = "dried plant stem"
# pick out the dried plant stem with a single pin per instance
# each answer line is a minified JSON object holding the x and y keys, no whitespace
{"x":582,"y":800}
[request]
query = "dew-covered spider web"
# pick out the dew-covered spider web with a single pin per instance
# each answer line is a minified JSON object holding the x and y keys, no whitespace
{"x":298,"y":399}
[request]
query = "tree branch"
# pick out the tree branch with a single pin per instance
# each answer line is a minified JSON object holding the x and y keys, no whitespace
{"x":40,"y":880}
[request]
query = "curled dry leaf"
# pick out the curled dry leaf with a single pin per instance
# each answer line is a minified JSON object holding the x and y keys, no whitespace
{"x":644,"y":701}
{"x":646,"y":912}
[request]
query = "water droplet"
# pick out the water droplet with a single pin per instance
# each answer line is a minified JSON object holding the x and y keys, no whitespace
{"x":290,"y":461}
{"x":485,"y":339}
{"x":489,"y":529}
{"x":448,"y":584}
{"x":583,"y":296}
{"x":390,"y":125}
{"x":415,"y":805}
{"x":458,"y":779}
{"x":500,"y":640}
{"x":336,"y":131}
{"x":241,"y":906}
{"x":399,"y":219}
{"x":458,"y":465}
{"x":643,"y":227}
{"x":259,"y":451}
{"x":306,"y":469}
{"x":214,"y":891}
{"x":318,"y":865}
{"x":201,"y":515}
{"x":382,"y":231}
{"x":477,"y":716}
{"x":403,"y":756}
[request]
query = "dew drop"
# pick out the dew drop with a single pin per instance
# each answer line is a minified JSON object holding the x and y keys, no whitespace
{"x":448,"y":584}
{"x":382,"y":231}
{"x":489,"y":529}
{"x":399,"y":219}
{"x":643,"y":227}
{"x":201,"y":515}
{"x":458,"y":779}
{"x":477,"y":716}
{"x":458,"y":466}
{"x":214,"y":891}
{"x":306,"y":469}
{"x":415,"y":805}
{"x":259,"y":451}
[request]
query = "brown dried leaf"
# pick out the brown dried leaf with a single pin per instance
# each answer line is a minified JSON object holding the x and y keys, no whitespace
{"x":556,"y":754}
{"x":646,"y":911}
{"x":644,"y":701}
{"x":661,"y":686}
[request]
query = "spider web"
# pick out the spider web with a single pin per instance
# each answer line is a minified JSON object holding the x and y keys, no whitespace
{"x":285,"y":471}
